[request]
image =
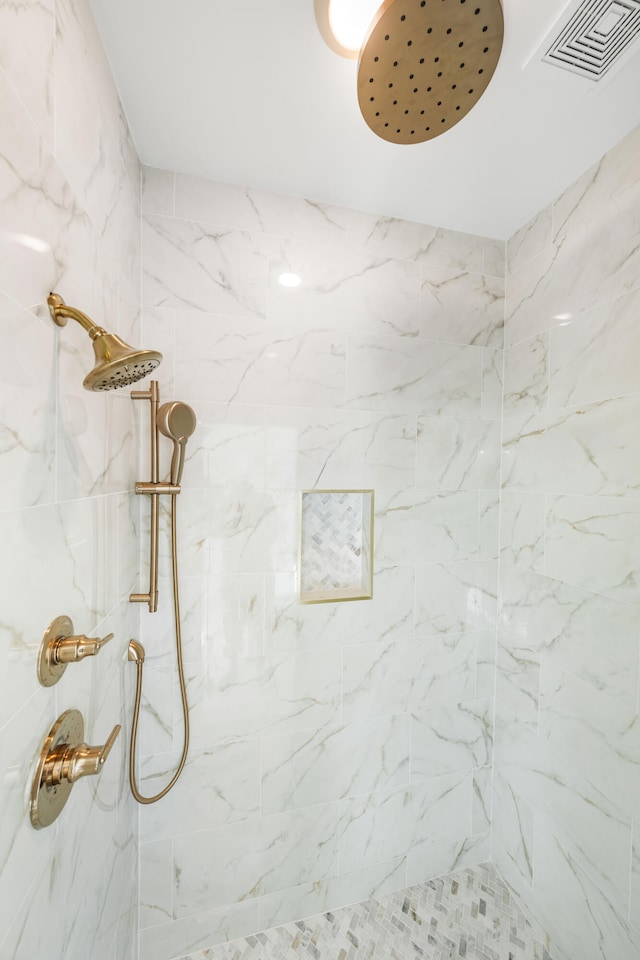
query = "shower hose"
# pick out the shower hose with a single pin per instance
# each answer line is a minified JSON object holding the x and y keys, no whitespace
{"x":183,"y":690}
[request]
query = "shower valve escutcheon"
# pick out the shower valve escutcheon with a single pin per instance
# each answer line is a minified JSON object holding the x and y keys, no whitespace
{"x":64,"y":759}
{"x":59,"y":647}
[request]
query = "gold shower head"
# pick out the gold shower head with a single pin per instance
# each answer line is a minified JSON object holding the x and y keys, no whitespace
{"x":117,"y":364}
{"x":425,"y":64}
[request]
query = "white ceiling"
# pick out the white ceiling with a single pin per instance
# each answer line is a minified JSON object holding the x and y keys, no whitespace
{"x":247,"y":91}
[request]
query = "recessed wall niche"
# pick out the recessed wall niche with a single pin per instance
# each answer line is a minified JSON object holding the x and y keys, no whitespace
{"x":335,"y":547}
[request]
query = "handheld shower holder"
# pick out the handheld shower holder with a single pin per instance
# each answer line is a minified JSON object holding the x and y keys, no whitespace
{"x":161,"y":422}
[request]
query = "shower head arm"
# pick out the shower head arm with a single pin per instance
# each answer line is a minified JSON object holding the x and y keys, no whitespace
{"x":60,"y":312}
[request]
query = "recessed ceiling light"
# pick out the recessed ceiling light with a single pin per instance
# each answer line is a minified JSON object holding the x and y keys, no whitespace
{"x":289,"y":280}
{"x":562,"y":316}
{"x":344,"y":24}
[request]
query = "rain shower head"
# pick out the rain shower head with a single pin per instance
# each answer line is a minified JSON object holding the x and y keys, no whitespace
{"x":117,"y":364}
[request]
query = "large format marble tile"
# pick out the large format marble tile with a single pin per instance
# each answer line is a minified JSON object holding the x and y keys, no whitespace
{"x":158,"y":192}
{"x":457,"y":454}
{"x":454,"y":597}
{"x":584,"y":199}
{"x":193,"y":266}
{"x":451,"y":738}
{"x":255,"y":362}
{"x":46,"y":238}
{"x":323,"y":895}
{"x":199,"y":931}
{"x":339,"y":449}
{"x":572,"y":713}
{"x":405,"y":675}
{"x":230,"y":530}
{"x":230,"y":699}
{"x":595,"y":828}
{"x":392,"y":821}
{"x":438,"y":859}
{"x":461,"y":307}
{"x":513,"y":823}
{"x":402,"y":376}
{"x":634,"y":910}
{"x":227,"y":447}
{"x":592,"y":358}
{"x":590,"y":926}
{"x":585,"y":268}
{"x":582,"y":450}
{"x":26,"y":57}
{"x":593,"y":636}
{"x":220,"y":784}
{"x":332,"y":763}
{"x":594,"y":542}
{"x":246,"y":860}
{"x":27,"y":408}
{"x":530,"y":240}
{"x":526,"y":376}
{"x":346,"y":286}
{"x":156,"y":883}
{"x":491,"y":390}
{"x":522,"y":525}
{"x":423,"y":527}
{"x":387,"y":616}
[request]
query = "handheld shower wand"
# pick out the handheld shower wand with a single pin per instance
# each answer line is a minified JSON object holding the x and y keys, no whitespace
{"x":177,"y":421}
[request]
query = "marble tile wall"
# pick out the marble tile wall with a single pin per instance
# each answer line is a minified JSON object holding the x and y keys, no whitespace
{"x":338,"y":750}
{"x":567,"y":764}
{"x":69,"y":221}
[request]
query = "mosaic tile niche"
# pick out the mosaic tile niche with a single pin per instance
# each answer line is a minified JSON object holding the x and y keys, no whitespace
{"x":336,"y":545}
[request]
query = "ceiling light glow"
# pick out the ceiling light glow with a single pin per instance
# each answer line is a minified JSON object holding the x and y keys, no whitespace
{"x":289,"y":280}
{"x":350,"y":21}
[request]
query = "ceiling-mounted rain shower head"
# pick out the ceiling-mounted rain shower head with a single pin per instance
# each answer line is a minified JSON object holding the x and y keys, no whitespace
{"x":117,"y":364}
{"x":425,"y":64}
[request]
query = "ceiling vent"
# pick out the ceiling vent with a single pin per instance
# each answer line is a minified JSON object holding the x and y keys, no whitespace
{"x":595,"y":37}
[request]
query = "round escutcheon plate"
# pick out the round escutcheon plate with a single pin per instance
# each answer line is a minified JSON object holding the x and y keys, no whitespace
{"x":47,"y":802}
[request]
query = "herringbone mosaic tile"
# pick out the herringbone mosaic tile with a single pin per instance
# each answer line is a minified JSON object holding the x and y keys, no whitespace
{"x":470,"y":915}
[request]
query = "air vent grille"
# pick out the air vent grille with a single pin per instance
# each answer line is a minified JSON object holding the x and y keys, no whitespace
{"x":596,"y":35}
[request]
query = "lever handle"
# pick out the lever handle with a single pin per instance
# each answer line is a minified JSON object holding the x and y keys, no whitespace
{"x":60,"y":646}
{"x":81,"y":761}
{"x":86,"y":761}
{"x":74,"y":649}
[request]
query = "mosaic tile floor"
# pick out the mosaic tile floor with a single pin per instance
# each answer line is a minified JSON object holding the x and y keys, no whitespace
{"x":469,"y":915}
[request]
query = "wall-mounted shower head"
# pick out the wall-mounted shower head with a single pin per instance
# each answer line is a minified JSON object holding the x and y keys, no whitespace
{"x":117,"y":364}
{"x":177,"y":421}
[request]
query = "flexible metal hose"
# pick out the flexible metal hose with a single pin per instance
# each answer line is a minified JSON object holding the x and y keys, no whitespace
{"x":183,"y":689}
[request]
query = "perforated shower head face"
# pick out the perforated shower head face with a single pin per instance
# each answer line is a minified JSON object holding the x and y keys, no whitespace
{"x":119,"y":365}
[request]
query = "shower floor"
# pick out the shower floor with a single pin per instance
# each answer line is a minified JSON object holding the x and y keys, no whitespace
{"x":469,"y":915}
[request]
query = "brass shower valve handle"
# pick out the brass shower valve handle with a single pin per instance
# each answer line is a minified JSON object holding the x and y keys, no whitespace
{"x":71,"y":763}
{"x":64,"y":759}
{"x":73,"y":649}
{"x":60,"y":647}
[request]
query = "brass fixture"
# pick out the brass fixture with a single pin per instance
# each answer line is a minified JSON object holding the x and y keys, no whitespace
{"x":177,"y":421}
{"x":425,"y":64}
{"x":63,"y":760}
{"x":59,"y":648}
{"x":117,"y":364}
